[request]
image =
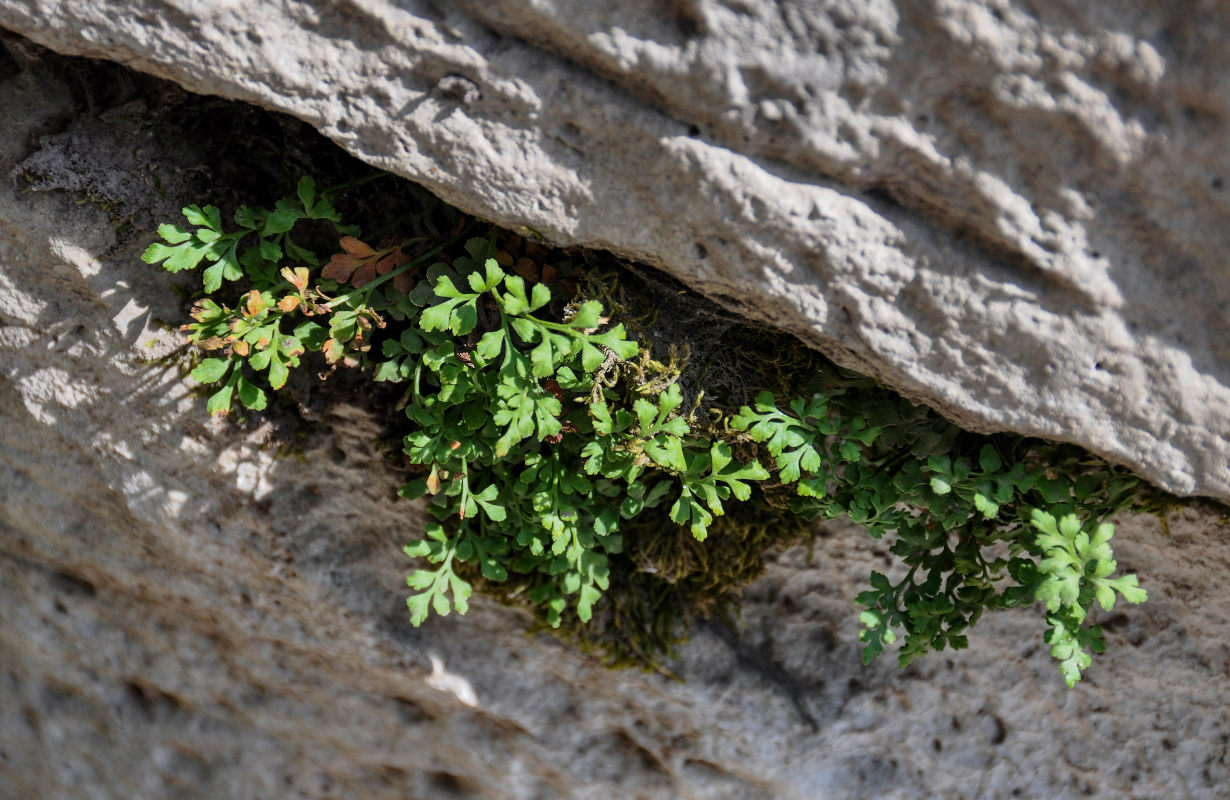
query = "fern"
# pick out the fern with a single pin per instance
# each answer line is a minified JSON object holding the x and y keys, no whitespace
{"x":536,"y":451}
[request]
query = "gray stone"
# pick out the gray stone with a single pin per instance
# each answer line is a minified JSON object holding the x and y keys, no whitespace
{"x":1015,"y":214}
{"x":184,"y":613}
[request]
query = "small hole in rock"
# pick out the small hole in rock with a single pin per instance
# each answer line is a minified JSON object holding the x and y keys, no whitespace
{"x":71,"y":584}
{"x":446,"y":783}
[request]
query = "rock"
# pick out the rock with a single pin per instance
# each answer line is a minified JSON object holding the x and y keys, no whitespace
{"x":184,"y":612}
{"x":1018,"y":216}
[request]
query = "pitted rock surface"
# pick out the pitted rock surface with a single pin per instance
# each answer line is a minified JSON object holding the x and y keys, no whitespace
{"x":1017,"y":214}
{"x":204,"y":609}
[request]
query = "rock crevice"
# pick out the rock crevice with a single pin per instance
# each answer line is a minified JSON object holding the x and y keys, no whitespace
{"x":184,"y":613}
{"x":1016,"y":216}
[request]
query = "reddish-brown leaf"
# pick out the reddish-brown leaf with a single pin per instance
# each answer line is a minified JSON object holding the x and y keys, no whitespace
{"x":340,"y":268}
{"x":356,"y":248}
{"x":363,"y":275}
{"x":392,"y":261}
{"x":552,"y":386}
{"x":360,"y":264}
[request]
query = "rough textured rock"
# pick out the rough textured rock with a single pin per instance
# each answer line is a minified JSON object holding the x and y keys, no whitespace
{"x":183,"y":613}
{"x":1017,"y":213}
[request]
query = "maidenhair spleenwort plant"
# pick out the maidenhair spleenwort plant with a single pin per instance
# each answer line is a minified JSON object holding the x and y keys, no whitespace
{"x":539,"y":446}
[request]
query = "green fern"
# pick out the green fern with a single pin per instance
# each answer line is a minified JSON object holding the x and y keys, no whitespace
{"x":538,"y":451}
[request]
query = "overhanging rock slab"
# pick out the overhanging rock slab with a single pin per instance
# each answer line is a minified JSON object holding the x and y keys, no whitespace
{"x":1017,"y":216}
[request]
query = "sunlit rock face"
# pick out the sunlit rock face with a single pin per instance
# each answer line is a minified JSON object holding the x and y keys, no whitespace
{"x":204,"y":609}
{"x":1016,"y":213}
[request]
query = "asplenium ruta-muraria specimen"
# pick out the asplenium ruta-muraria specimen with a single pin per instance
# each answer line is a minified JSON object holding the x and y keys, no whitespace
{"x":540,"y":440}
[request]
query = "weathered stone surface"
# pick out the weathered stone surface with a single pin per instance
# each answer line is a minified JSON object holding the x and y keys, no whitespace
{"x":1017,"y":214}
{"x":184,"y":614}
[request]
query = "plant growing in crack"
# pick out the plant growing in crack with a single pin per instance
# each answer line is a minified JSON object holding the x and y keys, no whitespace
{"x":545,"y":448}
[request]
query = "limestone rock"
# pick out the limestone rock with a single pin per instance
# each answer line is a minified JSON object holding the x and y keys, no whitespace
{"x":185,"y":613}
{"x":1016,"y":214}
